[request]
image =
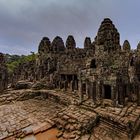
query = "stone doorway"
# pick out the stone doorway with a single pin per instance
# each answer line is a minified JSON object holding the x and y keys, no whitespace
{"x":93,"y":64}
{"x":107,"y":91}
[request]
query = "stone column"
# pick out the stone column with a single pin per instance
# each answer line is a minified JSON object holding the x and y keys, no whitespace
{"x":121,"y":95}
{"x":94,"y":91}
{"x":65,"y":85}
{"x":103,"y":92}
{"x":80,"y":91}
{"x":98,"y":90}
{"x":113,"y":94}
{"x":60,"y":82}
{"x":87,"y":85}
{"x":91,"y":90}
{"x":73,"y":85}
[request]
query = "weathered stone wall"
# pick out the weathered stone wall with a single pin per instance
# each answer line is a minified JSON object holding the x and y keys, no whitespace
{"x":53,"y":59}
{"x":3,"y":74}
{"x":110,"y":66}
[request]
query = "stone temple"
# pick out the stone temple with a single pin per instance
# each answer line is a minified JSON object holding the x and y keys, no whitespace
{"x":101,"y":80}
{"x":101,"y":70}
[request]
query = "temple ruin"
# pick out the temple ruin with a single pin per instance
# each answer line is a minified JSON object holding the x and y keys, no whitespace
{"x":89,"y":93}
{"x":103,"y":69}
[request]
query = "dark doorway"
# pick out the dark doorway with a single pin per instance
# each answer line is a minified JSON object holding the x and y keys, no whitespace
{"x":107,"y":91}
{"x":69,"y":77}
{"x":93,"y":64}
{"x":132,"y":62}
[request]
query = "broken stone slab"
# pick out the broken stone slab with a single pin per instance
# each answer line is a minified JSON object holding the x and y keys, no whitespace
{"x":85,"y":137}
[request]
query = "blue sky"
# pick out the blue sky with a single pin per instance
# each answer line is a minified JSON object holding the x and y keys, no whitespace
{"x":24,"y":22}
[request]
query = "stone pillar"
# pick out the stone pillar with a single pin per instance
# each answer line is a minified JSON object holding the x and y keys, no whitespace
{"x":67,"y":81}
{"x":65,"y":85}
{"x":121,"y":95}
{"x":72,"y":85}
{"x":87,"y":85}
{"x":98,"y":90}
{"x":75,"y":85}
{"x":80,"y":91}
{"x":113,"y":94}
{"x":60,"y":82}
{"x":94,"y":91}
{"x":103,"y":92}
{"x":90,"y":90}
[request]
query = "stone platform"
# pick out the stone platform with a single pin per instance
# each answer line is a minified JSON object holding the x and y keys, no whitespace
{"x":24,"y":112}
{"x":32,"y":115}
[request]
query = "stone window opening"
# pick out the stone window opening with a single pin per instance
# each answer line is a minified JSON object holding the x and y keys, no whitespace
{"x":93,"y":64}
{"x":107,"y":91}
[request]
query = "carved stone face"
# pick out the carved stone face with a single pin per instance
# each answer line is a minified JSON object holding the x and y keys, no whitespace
{"x":70,"y":42}
{"x":107,"y":34}
{"x":44,"y":45}
{"x":87,"y":43}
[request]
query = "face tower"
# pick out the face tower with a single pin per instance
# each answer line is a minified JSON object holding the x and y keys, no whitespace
{"x":108,"y":37}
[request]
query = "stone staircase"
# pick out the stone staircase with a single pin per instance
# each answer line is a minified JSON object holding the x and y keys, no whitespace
{"x":75,"y":121}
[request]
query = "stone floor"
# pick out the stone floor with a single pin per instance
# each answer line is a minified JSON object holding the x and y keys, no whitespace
{"x":61,"y":110}
{"x":31,"y":114}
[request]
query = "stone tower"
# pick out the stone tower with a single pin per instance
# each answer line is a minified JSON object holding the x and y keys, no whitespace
{"x":126,"y":45}
{"x":70,"y":42}
{"x":108,"y":37}
{"x":87,"y":43}
{"x":44,"y":46}
{"x":57,"y":44}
